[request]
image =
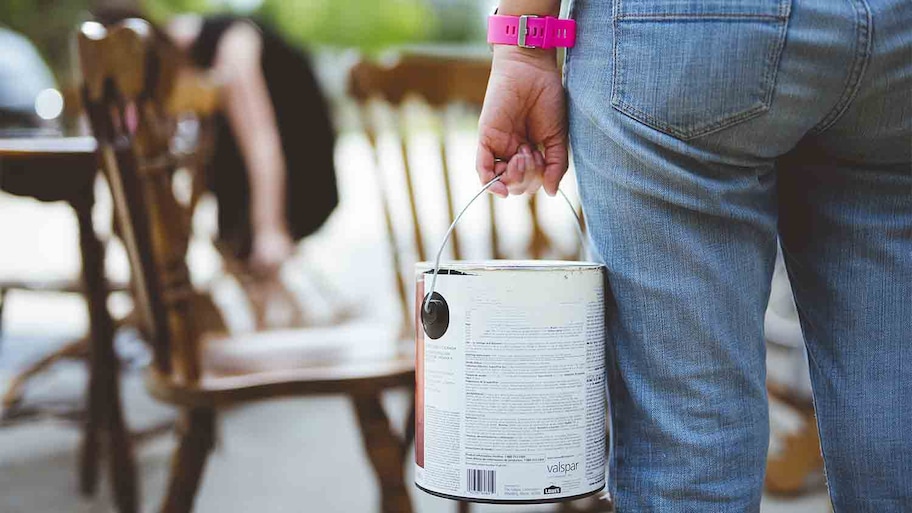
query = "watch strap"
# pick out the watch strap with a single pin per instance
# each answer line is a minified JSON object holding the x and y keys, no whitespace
{"x":529,"y":31}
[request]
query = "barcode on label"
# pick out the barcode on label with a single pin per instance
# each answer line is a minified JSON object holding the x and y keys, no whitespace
{"x":481,"y":481}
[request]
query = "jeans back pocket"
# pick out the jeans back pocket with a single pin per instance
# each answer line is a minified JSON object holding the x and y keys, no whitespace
{"x":688,"y":68}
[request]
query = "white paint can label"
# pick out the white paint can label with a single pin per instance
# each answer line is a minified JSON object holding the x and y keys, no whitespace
{"x":510,"y":400}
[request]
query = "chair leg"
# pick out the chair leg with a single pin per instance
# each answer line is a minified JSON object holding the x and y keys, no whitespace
{"x":97,"y":412}
{"x":105,"y":420}
{"x":104,"y":415}
{"x":384,"y":449}
{"x":465,"y":507}
{"x":409,"y":436}
{"x":88,"y":458}
{"x":101,"y":345}
{"x":196,"y":441}
{"x":122,"y":465}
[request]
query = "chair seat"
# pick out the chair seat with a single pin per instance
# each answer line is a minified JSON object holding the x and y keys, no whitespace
{"x":340,"y":359}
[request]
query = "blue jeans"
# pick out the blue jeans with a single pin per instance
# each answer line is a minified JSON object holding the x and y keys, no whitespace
{"x":700,"y":131}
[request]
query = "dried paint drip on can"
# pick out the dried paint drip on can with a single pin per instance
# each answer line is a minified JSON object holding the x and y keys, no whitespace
{"x":510,"y":381}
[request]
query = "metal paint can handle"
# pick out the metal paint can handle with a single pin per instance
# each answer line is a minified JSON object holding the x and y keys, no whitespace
{"x":429,"y":297}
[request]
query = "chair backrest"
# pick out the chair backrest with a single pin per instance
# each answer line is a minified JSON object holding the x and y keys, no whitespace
{"x":131,"y":94}
{"x":449,"y":85}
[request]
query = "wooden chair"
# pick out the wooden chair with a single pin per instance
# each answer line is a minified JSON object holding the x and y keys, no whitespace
{"x":447,"y":85}
{"x":128,"y":83}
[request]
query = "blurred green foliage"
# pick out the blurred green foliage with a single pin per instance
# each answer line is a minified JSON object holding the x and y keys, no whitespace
{"x":161,"y":10}
{"x":48,"y":23}
{"x":365,"y":24}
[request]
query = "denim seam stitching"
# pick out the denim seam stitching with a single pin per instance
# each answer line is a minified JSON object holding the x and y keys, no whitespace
{"x":627,"y":108}
{"x":863,"y":42}
{"x":697,"y":16}
{"x":773,"y":57}
{"x":614,"y":50}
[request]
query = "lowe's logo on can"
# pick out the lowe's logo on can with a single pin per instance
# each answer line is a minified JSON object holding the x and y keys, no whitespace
{"x":551,"y":490}
{"x":562,"y":468}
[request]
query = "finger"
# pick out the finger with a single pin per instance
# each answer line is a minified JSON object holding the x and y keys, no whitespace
{"x":555,"y":166}
{"x":535,"y":177}
{"x":499,"y":188}
{"x":539,"y":161}
{"x":532,"y":178}
{"x":516,"y":167}
{"x":530,"y":172}
{"x":518,"y":172}
{"x":484,"y":163}
{"x":533,"y":183}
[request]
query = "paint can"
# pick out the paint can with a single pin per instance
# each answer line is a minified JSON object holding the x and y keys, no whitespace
{"x":510,"y":380}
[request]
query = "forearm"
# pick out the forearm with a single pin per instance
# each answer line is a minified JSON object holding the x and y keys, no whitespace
{"x":265,"y":163}
{"x":252,"y":119}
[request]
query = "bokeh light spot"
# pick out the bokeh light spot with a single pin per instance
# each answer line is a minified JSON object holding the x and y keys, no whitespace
{"x":49,"y":104}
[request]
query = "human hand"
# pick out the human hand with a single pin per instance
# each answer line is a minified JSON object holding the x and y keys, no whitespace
{"x":522,"y":131}
{"x":271,"y":248}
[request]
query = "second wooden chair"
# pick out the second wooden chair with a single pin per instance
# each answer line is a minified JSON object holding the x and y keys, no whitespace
{"x":128,"y":82}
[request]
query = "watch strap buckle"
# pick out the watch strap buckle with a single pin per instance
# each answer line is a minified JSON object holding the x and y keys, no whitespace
{"x":523,"y":32}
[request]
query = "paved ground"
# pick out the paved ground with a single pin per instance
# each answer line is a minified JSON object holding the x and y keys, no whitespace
{"x":282,"y":456}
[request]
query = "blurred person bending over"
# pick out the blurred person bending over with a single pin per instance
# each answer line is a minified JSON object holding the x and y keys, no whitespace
{"x":272,"y":169}
{"x":701,"y":130}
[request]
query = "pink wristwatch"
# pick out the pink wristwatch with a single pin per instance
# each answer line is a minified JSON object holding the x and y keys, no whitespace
{"x":530,"y":31}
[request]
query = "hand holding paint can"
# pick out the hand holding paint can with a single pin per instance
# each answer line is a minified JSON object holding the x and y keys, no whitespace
{"x":510,"y":380}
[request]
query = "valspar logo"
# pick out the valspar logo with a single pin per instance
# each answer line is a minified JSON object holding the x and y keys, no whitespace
{"x":562,"y":468}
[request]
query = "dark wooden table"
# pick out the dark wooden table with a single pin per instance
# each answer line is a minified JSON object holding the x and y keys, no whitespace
{"x":49,"y":168}
{"x":64,"y":169}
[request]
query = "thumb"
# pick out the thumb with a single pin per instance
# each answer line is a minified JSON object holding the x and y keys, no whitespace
{"x":556,"y":162}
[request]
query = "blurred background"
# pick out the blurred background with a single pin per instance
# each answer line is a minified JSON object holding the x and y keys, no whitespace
{"x":340,"y":276}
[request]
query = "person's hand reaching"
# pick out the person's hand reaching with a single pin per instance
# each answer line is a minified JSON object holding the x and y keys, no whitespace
{"x":522,"y":132}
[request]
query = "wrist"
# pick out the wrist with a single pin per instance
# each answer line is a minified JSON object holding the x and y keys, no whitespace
{"x":543,"y":59}
{"x":537,"y":7}
{"x":270,"y":228}
{"x":539,"y":32}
